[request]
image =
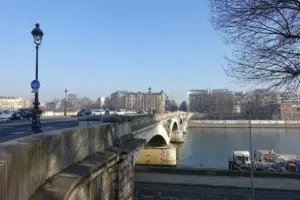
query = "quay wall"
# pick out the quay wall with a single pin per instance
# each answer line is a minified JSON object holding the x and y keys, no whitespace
{"x":243,"y":124}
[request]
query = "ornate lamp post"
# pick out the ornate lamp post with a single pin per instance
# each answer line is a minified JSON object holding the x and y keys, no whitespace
{"x":37,"y":34}
{"x":149,"y":92}
{"x":65,"y":113}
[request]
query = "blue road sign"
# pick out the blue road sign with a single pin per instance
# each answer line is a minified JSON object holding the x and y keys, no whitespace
{"x":35,"y":85}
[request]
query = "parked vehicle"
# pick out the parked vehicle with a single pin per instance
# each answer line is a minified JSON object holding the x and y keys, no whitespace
{"x":84,"y":112}
{"x":140,"y":112}
{"x":22,"y":114}
{"x":98,"y":112}
{"x":5,"y":115}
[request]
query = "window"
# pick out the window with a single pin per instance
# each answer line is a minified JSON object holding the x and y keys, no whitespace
{"x":0,"y":112}
{"x":6,"y":112}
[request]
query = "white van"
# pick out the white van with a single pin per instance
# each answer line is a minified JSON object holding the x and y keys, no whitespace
{"x":5,"y":115}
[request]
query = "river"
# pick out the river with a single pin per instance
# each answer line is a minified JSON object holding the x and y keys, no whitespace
{"x":212,"y":147}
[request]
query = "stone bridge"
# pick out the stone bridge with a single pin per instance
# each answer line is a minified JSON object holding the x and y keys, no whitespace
{"x":94,"y":161}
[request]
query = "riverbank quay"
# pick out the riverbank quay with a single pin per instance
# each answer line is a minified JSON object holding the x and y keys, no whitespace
{"x":160,"y":183}
{"x":215,"y":172}
{"x":243,"y":124}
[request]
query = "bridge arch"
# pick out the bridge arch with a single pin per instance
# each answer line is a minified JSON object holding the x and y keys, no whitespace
{"x":180,"y":121}
{"x":157,"y":135}
{"x":157,"y":140}
{"x":174,"y":126}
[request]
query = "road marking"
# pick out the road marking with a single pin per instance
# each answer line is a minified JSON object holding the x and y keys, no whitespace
{"x":18,"y":133}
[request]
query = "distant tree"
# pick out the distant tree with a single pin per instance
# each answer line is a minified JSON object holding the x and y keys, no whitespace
{"x":72,"y":102}
{"x":171,"y":105}
{"x":183,"y":106}
{"x":266,"y":37}
{"x":49,"y":106}
{"x":261,"y":104}
{"x":52,"y":105}
{"x":55,"y":102}
{"x":167,"y":104}
{"x":86,"y":102}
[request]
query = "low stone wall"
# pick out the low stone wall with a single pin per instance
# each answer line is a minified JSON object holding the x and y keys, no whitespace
{"x":59,"y":113}
{"x":27,"y":162}
{"x":104,"y":175}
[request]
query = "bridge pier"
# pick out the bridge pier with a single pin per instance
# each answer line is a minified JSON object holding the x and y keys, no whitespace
{"x":177,"y":136}
{"x":184,"y":126}
{"x":162,"y":155}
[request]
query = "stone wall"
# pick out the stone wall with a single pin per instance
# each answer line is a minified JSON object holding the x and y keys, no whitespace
{"x":38,"y":164}
{"x":105,"y":175}
{"x":59,"y":113}
{"x":125,"y":180}
{"x":27,"y":162}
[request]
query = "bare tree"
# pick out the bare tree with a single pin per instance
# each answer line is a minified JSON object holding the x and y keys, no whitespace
{"x":52,"y":105}
{"x":183,"y":106}
{"x":266,"y":36}
{"x":72,"y":102}
{"x":86,"y":102}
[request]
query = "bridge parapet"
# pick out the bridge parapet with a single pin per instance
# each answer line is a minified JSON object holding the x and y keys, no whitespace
{"x":27,"y":164}
{"x":31,"y":160}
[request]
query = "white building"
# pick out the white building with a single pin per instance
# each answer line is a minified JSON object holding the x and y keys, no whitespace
{"x":13,"y":103}
{"x":101,"y":101}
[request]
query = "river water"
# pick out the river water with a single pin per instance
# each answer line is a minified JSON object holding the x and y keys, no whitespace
{"x":212,"y":147}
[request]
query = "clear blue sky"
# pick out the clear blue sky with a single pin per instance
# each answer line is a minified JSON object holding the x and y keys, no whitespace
{"x":94,"y":48}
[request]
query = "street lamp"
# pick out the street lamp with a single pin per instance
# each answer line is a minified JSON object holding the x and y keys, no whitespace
{"x":149,"y":91}
{"x":66,"y":91}
{"x":249,"y":113}
{"x":37,"y":34}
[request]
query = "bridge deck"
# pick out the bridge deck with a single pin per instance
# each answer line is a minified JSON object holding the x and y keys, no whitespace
{"x":215,"y":181}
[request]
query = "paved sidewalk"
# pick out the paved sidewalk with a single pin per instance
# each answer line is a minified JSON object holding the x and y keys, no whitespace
{"x":242,"y":182}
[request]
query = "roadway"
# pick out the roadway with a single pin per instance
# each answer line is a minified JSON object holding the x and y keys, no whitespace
{"x":21,"y":128}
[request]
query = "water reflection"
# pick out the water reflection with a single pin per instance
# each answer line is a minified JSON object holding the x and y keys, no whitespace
{"x":211,"y":147}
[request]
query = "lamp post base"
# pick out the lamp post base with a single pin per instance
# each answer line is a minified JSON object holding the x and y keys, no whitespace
{"x":36,"y":121}
{"x":36,"y":128}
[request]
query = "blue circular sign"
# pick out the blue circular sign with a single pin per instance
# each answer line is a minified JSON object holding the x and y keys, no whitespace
{"x":35,"y":84}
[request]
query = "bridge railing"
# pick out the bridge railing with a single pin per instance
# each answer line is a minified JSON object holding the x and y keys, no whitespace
{"x":26,"y":163}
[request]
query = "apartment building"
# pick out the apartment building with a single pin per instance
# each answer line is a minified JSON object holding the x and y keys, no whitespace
{"x":139,"y":101}
{"x":210,"y":101}
{"x":11,"y":102}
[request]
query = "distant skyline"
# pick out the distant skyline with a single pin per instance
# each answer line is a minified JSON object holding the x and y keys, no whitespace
{"x":95,"y":48}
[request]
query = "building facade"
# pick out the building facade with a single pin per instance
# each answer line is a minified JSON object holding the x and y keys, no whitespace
{"x":101,"y":102}
{"x":13,"y":103}
{"x":117,"y":99}
{"x":210,"y":101}
{"x":135,"y":101}
{"x":289,"y":107}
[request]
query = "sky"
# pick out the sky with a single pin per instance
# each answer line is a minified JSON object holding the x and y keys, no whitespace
{"x":96,"y":47}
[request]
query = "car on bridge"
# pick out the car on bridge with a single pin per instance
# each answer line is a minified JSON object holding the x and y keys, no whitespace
{"x":22,"y":114}
{"x":5,"y":115}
